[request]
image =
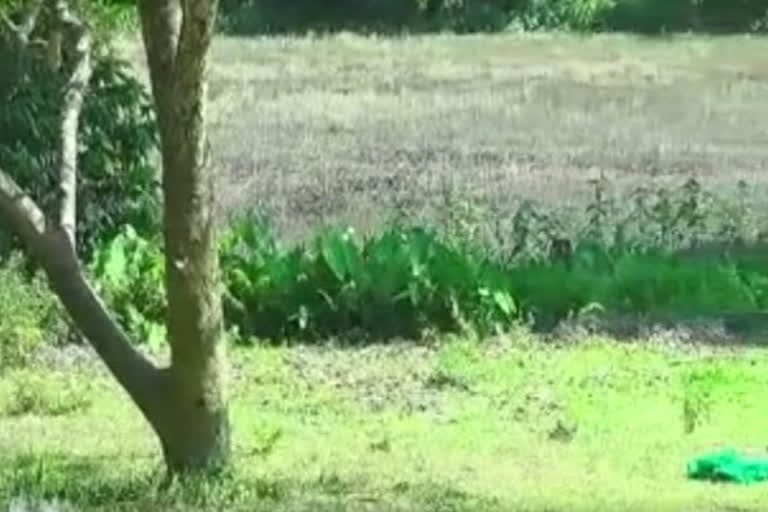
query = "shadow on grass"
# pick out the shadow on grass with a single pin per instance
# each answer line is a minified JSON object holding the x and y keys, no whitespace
{"x":65,"y":482}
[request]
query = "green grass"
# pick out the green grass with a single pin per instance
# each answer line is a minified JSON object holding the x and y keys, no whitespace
{"x":512,"y":424}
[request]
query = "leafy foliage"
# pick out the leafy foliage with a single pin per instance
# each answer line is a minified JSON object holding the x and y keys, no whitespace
{"x":405,"y":281}
{"x":649,"y":282}
{"x":129,"y":272}
{"x":676,"y":15}
{"x":273,"y":16}
{"x":117,"y":180}
{"x":278,"y":16}
{"x":397,"y":283}
{"x":470,"y":15}
{"x":669,"y":218}
{"x":29,"y":314}
{"x":581,"y":15}
{"x":110,"y":16}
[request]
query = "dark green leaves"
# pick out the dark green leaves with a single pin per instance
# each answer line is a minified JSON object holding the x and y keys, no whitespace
{"x":404,"y":281}
{"x":394,"y":284}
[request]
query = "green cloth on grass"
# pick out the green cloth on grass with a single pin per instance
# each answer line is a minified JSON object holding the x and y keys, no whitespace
{"x":728,"y":466}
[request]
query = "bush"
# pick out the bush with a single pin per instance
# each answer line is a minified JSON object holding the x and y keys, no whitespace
{"x":286,"y":16}
{"x":681,"y":15}
{"x":397,"y":283}
{"x":581,"y":15}
{"x":299,"y":16}
{"x":117,"y":183}
{"x":129,"y":273}
{"x":653,"y":15}
{"x":464,"y":16}
{"x":30,"y":315}
{"x":644,"y":283}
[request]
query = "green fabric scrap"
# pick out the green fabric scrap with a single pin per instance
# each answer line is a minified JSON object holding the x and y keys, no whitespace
{"x":728,"y":466}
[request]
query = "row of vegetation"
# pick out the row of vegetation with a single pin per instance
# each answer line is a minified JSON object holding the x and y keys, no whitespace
{"x":639,"y":253}
{"x":407,"y":281}
{"x":653,"y":16}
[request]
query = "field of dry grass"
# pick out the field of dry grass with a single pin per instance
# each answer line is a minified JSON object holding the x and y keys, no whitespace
{"x":346,"y":128}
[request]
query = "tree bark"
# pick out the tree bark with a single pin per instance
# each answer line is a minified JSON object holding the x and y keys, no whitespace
{"x":177,"y":36}
{"x":74,"y":34}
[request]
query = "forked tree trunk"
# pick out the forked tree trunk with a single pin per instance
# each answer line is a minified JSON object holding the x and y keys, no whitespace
{"x":177,"y":37}
{"x":186,"y":403}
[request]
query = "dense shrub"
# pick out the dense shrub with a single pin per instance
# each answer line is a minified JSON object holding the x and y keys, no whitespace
{"x":117,"y":180}
{"x":682,"y":15}
{"x":129,"y":273}
{"x":470,"y":15}
{"x":29,"y":314}
{"x":579,"y":15}
{"x":651,"y":283}
{"x":278,"y":16}
{"x":397,"y":283}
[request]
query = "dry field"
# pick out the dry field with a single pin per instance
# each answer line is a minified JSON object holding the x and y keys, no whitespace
{"x":346,"y":128}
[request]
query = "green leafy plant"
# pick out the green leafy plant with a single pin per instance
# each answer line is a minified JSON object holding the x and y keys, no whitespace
{"x":582,"y":15}
{"x":129,"y":272}
{"x":398,"y":282}
{"x":404,"y":281}
{"x":117,"y":182}
{"x":646,"y":16}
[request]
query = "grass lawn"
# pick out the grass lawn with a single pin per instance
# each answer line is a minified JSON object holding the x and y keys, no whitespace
{"x":512,"y":424}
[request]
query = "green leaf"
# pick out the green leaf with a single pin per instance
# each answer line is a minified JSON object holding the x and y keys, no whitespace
{"x":505,"y":302}
{"x":342,"y":255}
{"x":115,"y":266}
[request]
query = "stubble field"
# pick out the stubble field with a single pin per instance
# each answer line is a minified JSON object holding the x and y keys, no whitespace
{"x":348,"y":129}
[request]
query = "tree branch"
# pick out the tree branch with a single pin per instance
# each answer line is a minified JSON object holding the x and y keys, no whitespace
{"x":20,"y":211}
{"x":197,"y":29}
{"x":161,"y":25}
{"x":77,"y":42}
{"x":51,"y":247}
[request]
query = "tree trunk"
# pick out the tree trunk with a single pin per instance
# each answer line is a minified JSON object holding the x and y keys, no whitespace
{"x":195,"y":430}
{"x":194,"y":427}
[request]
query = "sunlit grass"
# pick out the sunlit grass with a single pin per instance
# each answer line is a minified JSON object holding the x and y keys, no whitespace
{"x":510,"y":424}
